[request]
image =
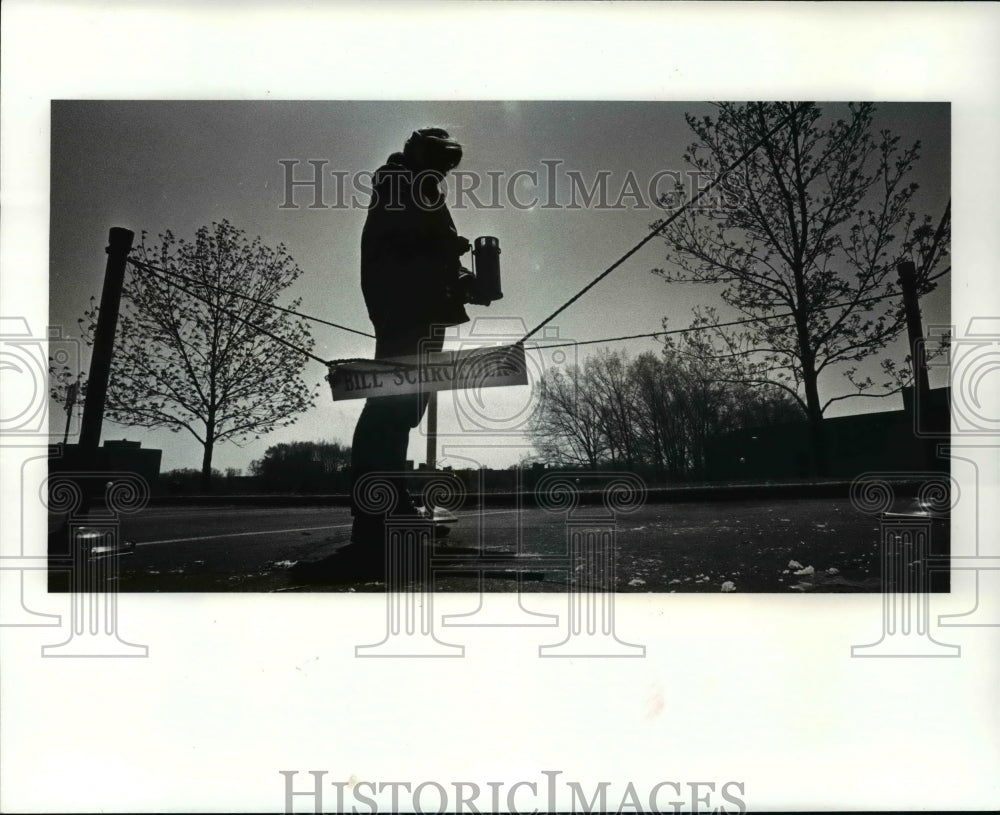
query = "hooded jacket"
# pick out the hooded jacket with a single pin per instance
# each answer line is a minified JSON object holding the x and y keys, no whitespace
{"x":411,"y":276}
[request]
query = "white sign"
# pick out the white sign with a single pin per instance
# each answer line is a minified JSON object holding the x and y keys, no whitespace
{"x":492,"y":367}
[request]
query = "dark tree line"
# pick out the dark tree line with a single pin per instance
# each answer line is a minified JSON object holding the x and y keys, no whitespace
{"x":303,"y":466}
{"x":652,"y":412}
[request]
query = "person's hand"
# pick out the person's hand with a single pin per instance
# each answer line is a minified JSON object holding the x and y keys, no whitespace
{"x":462,"y":245}
{"x":468,"y":286}
{"x":471,"y":290}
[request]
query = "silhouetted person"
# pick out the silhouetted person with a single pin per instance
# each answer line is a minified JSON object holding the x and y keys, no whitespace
{"x":413,"y":281}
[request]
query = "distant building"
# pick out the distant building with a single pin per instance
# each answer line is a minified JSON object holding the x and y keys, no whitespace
{"x":129,"y":456}
{"x":115,"y":456}
{"x":855,"y":444}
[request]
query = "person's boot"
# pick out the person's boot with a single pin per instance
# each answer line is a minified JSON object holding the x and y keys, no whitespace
{"x":353,"y":563}
{"x":421,"y":515}
{"x":361,"y":560}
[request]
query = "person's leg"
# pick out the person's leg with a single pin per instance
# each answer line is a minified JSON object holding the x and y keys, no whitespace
{"x":382,"y":435}
{"x":397,"y":440}
{"x":410,"y":408}
{"x":367,"y":453}
{"x":364,"y":558}
{"x":379,"y":445}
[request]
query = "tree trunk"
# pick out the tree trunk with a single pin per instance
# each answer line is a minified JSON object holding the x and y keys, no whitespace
{"x":206,"y":464}
{"x":810,"y":380}
{"x":817,"y":432}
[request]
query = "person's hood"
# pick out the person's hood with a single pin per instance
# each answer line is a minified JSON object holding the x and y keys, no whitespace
{"x":393,"y":166}
{"x":395,"y":177}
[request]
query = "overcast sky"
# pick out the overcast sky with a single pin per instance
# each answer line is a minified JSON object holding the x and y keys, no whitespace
{"x":179,"y":165}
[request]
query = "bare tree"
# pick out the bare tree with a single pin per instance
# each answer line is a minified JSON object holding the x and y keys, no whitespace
{"x":654,"y":411}
{"x":194,"y":355}
{"x":609,"y":384}
{"x":660,"y":427}
{"x":565,"y":427}
{"x":811,"y":226}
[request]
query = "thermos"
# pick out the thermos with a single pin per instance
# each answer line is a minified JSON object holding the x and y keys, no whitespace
{"x":486,"y":264}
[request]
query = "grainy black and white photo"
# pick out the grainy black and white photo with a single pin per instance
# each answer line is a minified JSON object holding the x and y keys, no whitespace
{"x":498,"y":407}
{"x":476,"y":325}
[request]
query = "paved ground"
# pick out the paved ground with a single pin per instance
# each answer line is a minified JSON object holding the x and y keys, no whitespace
{"x":687,"y":547}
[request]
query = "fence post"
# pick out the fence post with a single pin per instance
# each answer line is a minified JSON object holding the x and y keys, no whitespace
{"x":119,"y":245}
{"x":907,"y":272}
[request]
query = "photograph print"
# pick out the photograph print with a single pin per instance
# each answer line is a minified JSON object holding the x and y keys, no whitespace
{"x":503,"y":346}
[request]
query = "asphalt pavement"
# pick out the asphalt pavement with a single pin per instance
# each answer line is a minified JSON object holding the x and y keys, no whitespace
{"x":778,"y":546}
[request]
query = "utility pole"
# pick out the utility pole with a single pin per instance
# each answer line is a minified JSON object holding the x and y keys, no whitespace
{"x":914,"y":328}
{"x":907,"y":272}
{"x":119,"y":245}
{"x":71,"y":393}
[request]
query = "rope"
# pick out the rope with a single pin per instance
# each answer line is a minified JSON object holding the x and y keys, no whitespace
{"x":166,"y":279}
{"x":706,"y":327}
{"x":165,"y":275}
{"x":394,"y":365}
{"x":149,"y":268}
{"x":657,"y":230}
{"x":402,"y":366}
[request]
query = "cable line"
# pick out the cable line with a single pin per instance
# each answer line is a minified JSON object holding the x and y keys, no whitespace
{"x":396,"y":365}
{"x":166,"y":276}
{"x":146,"y":266}
{"x":705,"y":327}
{"x":166,"y":279}
{"x":656,"y":230}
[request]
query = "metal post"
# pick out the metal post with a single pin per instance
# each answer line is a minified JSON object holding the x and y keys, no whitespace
{"x":914,"y":328}
{"x":70,"y":404}
{"x":915,"y":332}
{"x":119,"y":245}
{"x":432,"y":429}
